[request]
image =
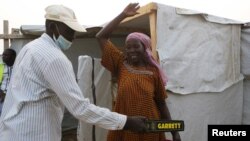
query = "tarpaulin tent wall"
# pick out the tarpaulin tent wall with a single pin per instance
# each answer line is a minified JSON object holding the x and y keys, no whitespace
{"x":245,"y":69}
{"x":96,"y":82}
{"x":201,"y":55}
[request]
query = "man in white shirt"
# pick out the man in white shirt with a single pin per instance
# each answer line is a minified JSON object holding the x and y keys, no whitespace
{"x":8,"y":58}
{"x":43,"y":82}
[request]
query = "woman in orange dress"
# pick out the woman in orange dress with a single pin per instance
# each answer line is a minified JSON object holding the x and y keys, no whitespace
{"x":140,"y":80}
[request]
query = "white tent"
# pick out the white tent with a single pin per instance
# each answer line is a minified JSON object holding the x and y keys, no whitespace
{"x":95,"y":81}
{"x":245,"y":69}
{"x":205,"y":58}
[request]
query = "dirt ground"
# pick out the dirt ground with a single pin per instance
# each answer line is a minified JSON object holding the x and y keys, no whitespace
{"x":70,"y":135}
{"x":69,"y":127}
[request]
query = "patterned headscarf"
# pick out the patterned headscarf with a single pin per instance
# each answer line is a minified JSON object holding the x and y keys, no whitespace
{"x":146,"y":41}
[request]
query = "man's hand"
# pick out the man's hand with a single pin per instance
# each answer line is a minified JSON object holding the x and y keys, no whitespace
{"x":136,"y":124}
{"x":2,"y":96}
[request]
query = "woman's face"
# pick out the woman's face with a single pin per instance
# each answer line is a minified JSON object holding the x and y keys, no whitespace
{"x":135,"y":52}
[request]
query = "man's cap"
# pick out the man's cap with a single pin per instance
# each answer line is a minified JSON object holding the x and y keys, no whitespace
{"x":65,"y":15}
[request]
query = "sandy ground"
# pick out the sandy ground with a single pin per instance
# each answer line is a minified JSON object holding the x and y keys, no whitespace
{"x":69,"y":135}
{"x":69,"y":128}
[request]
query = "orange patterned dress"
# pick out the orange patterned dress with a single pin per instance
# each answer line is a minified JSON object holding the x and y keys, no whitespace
{"x":138,"y":88}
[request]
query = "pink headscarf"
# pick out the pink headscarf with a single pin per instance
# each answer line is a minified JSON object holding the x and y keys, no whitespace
{"x":146,"y":41}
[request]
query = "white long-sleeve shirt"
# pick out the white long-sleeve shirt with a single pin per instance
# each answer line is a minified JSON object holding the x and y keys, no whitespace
{"x":42,"y":82}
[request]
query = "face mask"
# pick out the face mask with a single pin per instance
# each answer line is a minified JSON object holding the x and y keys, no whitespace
{"x":63,"y":43}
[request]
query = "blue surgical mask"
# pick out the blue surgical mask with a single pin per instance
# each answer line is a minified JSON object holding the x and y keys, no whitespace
{"x":63,"y":43}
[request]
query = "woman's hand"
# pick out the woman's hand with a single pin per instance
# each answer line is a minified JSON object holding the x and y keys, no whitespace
{"x":131,"y":9}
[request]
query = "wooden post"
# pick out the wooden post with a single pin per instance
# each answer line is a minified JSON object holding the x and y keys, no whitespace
{"x":6,"y":32}
{"x":153,"y":34}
